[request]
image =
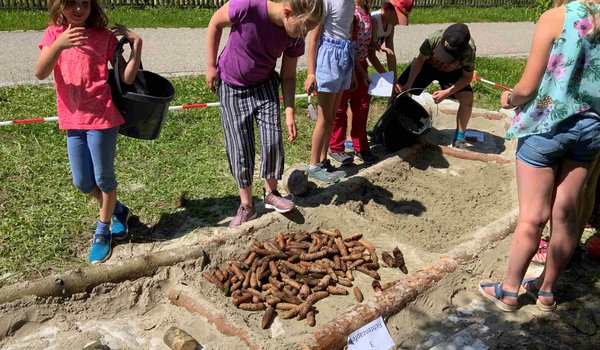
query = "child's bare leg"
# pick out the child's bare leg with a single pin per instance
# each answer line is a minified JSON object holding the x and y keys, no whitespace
{"x":246,"y":195}
{"x":465,"y":107}
{"x":564,"y":229}
{"x":270,"y":185}
{"x":96,"y":193}
{"x":106,"y":201}
{"x":320,"y":137}
{"x":329,"y":111}
{"x":108,"y":205}
{"x":586,"y":202}
{"x":534,"y":187}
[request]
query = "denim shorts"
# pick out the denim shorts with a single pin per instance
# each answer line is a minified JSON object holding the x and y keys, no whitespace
{"x":576,"y":138}
{"x":335,"y":60}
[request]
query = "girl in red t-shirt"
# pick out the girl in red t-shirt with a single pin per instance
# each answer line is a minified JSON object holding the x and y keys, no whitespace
{"x":77,"y":46}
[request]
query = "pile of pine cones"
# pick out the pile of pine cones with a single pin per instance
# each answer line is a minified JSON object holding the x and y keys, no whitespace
{"x":293,"y":272}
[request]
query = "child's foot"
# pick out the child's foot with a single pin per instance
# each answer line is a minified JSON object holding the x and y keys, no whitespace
{"x":367,"y":157}
{"x":319,"y":172}
{"x":341,"y":157}
{"x":274,"y":200}
{"x":504,"y":300}
{"x":245,"y":213}
{"x":326,"y":164}
{"x":544,"y":300}
{"x":460,"y":144}
{"x":119,"y":223}
{"x":101,"y":245}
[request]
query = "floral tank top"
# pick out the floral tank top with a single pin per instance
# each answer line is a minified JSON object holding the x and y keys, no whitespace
{"x":361,"y":33}
{"x":571,"y":82}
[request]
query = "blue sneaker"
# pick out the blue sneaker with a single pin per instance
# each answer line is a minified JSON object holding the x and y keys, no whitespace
{"x":119,"y":224}
{"x":101,"y":248}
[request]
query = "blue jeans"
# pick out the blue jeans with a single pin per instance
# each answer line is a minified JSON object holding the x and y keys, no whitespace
{"x":92,"y":158}
{"x":335,"y":61}
{"x":576,"y":138}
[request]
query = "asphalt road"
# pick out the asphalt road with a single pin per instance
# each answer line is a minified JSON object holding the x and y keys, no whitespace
{"x":181,"y":51}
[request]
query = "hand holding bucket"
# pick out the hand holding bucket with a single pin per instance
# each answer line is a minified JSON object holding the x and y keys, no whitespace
{"x":144,"y":103}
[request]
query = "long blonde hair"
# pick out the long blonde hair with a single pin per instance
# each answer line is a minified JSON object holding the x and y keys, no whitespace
{"x":306,"y":11}
{"x":595,"y":14}
{"x":97,"y":17}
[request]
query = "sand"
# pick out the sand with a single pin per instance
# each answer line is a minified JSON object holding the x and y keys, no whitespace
{"x":425,"y":207}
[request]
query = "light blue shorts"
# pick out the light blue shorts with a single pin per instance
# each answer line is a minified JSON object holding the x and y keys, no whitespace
{"x":335,"y":60}
{"x":576,"y":138}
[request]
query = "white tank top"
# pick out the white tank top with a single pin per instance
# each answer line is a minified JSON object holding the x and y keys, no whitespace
{"x":380,"y":35}
{"x":339,"y":15}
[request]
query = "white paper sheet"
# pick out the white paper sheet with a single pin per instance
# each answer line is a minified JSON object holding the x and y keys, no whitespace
{"x":381,"y":84}
{"x":373,"y":336}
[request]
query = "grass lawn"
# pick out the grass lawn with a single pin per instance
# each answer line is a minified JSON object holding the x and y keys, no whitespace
{"x":199,"y":17}
{"x":46,"y":224}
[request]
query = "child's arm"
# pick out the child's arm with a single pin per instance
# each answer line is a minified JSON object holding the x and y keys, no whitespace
{"x":128,"y":70}
{"x":288,"y":88}
{"x":415,"y":68}
{"x":49,"y":55}
{"x":373,"y":48}
{"x":391,"y":57}
{"x":311,"y":58}
{"x":213,"y":37}
{"x":547,"y":30}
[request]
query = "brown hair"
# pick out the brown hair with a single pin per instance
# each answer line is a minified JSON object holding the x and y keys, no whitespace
{"x":388,"y":4}
{"x":96,"y":19}
{"x":595,"y":14}
{"x":367,"y":5}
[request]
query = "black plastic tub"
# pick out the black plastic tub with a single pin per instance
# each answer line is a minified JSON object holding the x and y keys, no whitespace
{"x":144,"y":104}
{"x":402,"y":123}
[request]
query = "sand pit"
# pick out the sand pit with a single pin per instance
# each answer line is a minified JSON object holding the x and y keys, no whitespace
{"x":426,"y":206}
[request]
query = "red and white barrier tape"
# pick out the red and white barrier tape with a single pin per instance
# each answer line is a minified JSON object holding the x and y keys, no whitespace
{"x":492,"y":83}
{"x":171,"y":108}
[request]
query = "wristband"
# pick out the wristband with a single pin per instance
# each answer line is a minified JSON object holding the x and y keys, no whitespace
{"x":311,"y":75}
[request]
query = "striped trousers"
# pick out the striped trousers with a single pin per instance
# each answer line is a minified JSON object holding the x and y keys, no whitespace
{"x":239,"y":107}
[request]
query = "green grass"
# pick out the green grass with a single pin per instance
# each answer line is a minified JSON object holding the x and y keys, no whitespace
{"x":199,"y":17}
{"x":470,"y":14}
{"x":152,"y":17}
{"x":46,"y":224}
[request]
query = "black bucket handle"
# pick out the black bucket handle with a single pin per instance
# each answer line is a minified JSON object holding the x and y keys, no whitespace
{"x":116,"y":56}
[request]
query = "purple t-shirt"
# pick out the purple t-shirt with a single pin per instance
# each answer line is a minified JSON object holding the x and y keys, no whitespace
{"x":254,"y":45}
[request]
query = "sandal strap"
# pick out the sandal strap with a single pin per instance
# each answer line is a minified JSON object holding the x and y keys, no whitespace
{"x":498,"y":291}
{"x":534,"y":289}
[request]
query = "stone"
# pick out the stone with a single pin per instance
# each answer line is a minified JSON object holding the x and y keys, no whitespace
{"x":295,"y":181}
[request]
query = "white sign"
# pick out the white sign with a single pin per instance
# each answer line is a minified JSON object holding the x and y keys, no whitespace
{"x":372,"y":336}
{"x":381,"y":84}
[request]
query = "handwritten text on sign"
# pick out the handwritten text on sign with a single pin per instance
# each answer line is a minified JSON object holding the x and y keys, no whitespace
{"x":372,"y":336}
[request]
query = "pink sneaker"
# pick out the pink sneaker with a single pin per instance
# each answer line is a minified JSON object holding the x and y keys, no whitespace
{"x":245,"y":213}
{"x":274,"y":200}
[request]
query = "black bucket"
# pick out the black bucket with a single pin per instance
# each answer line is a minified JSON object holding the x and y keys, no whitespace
{"x":402,"y":124}
{"x":144,"y":104}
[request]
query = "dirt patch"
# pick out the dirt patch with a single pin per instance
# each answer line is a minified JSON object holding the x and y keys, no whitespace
{"x":426,"y":207}
{"x":454,"y":315}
